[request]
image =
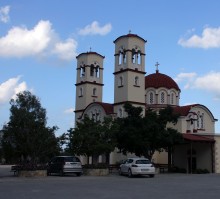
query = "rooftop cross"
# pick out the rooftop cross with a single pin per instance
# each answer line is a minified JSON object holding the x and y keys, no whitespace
{"x":157,"y":64}
{"x":90,"y":49}
{"x":129,"y":31}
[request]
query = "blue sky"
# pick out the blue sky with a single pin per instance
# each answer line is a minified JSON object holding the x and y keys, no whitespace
{"x":39,"y":41}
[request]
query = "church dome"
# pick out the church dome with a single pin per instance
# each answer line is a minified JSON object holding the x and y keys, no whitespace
{"x":157,"y":80}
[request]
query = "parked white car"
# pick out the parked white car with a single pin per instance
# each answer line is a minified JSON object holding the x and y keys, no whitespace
{"x":137,"y":166}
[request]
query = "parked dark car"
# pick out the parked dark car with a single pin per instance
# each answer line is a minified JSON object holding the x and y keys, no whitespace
{"x":64,"y":165}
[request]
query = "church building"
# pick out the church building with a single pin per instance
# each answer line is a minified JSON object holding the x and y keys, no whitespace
{"x":201,"y":148}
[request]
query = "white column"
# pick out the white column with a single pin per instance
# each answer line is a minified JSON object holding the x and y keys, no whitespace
{"x":100,"y":159}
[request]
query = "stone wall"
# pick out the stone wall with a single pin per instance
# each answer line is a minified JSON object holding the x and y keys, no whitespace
{"x":217,"y":154}
{"x":96,"y":172}
{"x":36,"y":173}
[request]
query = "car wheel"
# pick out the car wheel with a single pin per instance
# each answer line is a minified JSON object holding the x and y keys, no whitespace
{"x":61,"y":172}
{"x":120,"y":173}
{"x":151,"y":175}
{"x":78,"y":174}
{"x":130,"y":173}
{"x":48,"y":173}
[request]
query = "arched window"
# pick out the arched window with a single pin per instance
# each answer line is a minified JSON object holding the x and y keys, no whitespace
{"x":91,"y":115}
{"x":151,"y":100}
{"x":80,"y":92}
{"x":172,"y":99}
{"x":97,"y":72}
{"x":120,"y":81}
{"x":120,"y":58}
{"x":139,"y":57}
{"x":133,"y":57}
{"x":124,"y":57}
{"x":136,"y":81}
{"x":198,"y":120}
{"x":120,"y":114}
{"x":162,"y":98}
{"x":82,"y":71}
{"x":136,"y":55}
{"x":94,"y":92}
{"x":95,"y":115}
{"x":92,"y":70}
{"x":202,"y":121}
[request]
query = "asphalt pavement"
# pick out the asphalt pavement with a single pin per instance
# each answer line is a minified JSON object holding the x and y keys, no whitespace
{"x":113,"y":186}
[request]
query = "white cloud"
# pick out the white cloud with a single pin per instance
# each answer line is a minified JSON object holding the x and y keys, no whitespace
{"x":10,"y":88}
{"x":95,"y":29}
{"x":184,"y":76}
{"x":19,"y":88}
{"x":210,"y":38}
{"x":70,"y":110}
{"x":4,"y":14}
{"x":209,"y":82}
{"x":39,"y":41}
{"x":20,"y":41}
{"x":66,"y":50}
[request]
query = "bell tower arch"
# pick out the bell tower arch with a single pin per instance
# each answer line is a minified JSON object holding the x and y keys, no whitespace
{"x":89,"y":81}
{"x":129,"y":72}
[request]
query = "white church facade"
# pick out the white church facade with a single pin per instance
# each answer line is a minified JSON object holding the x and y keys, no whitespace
{"x":201,"y":149}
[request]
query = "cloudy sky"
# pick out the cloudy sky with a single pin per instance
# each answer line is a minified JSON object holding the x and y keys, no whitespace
{"x":39,"y":41}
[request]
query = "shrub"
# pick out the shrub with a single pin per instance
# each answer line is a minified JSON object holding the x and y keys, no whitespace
{"x":96,"y":166}
{"x":31,"y":167}
{"x":201,"y":171}
{"x":178,"y":170}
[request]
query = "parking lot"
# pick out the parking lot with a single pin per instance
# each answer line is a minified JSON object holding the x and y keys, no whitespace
{"x":166,"y":186}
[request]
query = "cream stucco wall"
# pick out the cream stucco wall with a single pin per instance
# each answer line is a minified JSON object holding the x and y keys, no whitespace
{"x":203,"y":155}
{"x":184,"y":124}
{"x":160,"y":157}
{"x":125,"y":86}
{"x":209,"y":123}
{"x":217,"y":153}
{"x":86,"y":60}
{"x":87,"y":96}
{"x":89,"y":87}
{"x":128,"y":91}
{"x":129,"y":43}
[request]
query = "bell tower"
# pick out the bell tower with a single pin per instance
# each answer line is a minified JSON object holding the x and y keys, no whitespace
{"x":89,"y":81}
{"x":129,"y":72}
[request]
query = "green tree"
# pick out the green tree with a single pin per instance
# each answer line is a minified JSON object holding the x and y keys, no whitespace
{"x":145,"y":135}
{"x":92,"y":138}
{"x":107,"y":139}
{"x":26,"y":136}
{"x":171,"y":137}
{"x":153,"y":132}
{"x":130,"y":137}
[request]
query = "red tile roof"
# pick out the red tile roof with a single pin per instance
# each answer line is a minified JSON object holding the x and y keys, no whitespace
{"x":199,"y":138}
{"x":130,"y":35}
{"x":107,"y":107}
{"x":89,"y":53}
{"x":183,"y":110}
{"x":157,"y":80}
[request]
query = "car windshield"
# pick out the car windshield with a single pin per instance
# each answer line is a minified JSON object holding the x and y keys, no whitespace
{"x":72,"y":159}
{"x":143,"y":161}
